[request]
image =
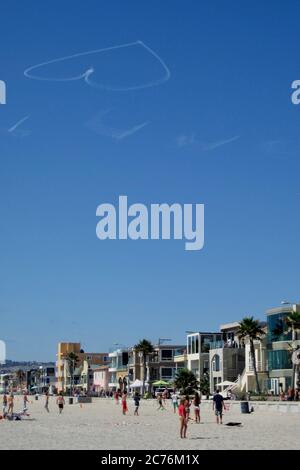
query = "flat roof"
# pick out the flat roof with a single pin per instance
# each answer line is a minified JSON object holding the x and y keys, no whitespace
{"x":204,"y":333}
{"x":283,"y":309}
{"x":226,"y":326}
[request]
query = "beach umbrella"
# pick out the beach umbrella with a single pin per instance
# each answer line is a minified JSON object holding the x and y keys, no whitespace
{"x":136,"y":384}
{"x":226,"y":383}
{"x":160,"y":383}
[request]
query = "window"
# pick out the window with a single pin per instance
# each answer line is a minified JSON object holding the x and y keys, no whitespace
{"x":205,"y":343}
{"x":279,"y":359}
{"x":277,"y":328}
{"x":189,"y":345}
{"x":166,"y":372}
{"x":193,"y":344}
{"x":216,"y":363}
{"x":166,"y":354}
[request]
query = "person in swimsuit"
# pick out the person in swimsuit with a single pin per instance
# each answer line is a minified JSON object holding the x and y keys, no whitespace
{"x":196,"y":404}
{"x":183,"y":419}
{"x":136,"y":400}
{"x":60,"y":402}
{"x":160,"y":402}
{"x":25,"y":401}
{"x":4,"y":405}
{"x":124,"y":403}
{"x":187,"y":405}
{"x":10,"y":402}
{"x":175,"y":402}
{"x":47,"y":401}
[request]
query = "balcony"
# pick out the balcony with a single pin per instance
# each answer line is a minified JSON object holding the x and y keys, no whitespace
{"x":261,"y":366}
{"x":223,"y":344}
{"x":180,"y":358}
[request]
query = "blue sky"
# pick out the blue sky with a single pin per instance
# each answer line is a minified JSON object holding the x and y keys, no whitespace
{"x":220,"y":131}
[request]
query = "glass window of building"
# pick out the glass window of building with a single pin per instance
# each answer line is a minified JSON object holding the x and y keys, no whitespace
{"x":216,"y":363}
{"x":189,"y":345}
{"x":205,"y":343}
{"x":193,"y":344}
{"x":166,"y":373}
{"x":166,"y":354}
{"x":277,"y":328}
{"x":279,"y":359}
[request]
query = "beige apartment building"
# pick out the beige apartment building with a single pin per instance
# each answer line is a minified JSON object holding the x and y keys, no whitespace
{"x":85,"y":362}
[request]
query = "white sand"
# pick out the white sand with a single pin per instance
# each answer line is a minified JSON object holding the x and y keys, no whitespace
{"x":101,"y":425}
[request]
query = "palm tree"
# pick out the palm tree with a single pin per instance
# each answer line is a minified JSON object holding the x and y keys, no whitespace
{"x":72,"y":361}
{"x":37,"y":379}
{"x":186,"y":381}
{"x":293,"y":324}
{"x":20,"y":374}
{"x":144,"y":347}
{"x":204,"y":384}
{"x":250,"y":329}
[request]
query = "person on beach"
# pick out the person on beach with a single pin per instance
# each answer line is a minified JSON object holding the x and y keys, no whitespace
{"x":175,"y":402}
{"x":25,"y":401}
{"x":47,"y":401}
{"x":187,"y":405}
{"x":183,"y":418}
{"x":136,"y":400}
{"x":60,"y":402}
{"x":4,"y":405}
{"x":116,"y":396}
{"x":218,"y":406}
{"x":124,"y":403}
{"x":165,"y":395}
{"x":196,"y":404}
{"x":160,"y":402}
{"x":10,"y":402}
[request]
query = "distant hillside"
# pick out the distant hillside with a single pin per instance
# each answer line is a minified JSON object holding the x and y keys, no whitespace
{"x":24,"y":365}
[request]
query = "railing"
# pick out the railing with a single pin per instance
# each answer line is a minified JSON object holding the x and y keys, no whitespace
{"x":260,"y":366}
{"x":117,"y":366}
{"x":223,"y":344}
{"x":180,"y":352}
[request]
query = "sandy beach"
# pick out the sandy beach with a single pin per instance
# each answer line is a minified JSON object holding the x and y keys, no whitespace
{"x":101,"y":425}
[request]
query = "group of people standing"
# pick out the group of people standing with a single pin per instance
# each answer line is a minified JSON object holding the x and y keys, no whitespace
{"x":8,"y":404}
{"x":184,"y":408}
{"x":118,"y":395}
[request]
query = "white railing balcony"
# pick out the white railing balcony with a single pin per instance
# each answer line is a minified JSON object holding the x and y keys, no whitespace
{"x":261,"y":366}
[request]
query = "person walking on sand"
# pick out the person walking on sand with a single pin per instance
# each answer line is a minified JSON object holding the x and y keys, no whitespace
{"x":136,"y":400}
{"x":116,"y":396}
{"x":124,"y":403}
{"x":60,"y":402}
{"x":218,"y":406}
{"x":183,"y":418}
{"x":10,"y":402}
{"x":4,"y":405}
{"x":187,"y":405}
{"x":25,"y":401}
{"x":160,"y":402}
{"x":47,"y":401}
{"x":196,"y":404}
{"x":175,"y":401}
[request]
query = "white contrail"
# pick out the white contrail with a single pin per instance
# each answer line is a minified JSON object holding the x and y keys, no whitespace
{"x":131,"y":131}
{"x":14,"y":127}
{"x":220,"y":143}
{"x":97,"y":125}
{"x":88,"y":73}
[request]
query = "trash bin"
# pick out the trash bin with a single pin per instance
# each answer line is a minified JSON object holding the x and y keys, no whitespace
{"x":245,"y":407}
{"x":36,"y":397}
{"x":70,"y":400}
